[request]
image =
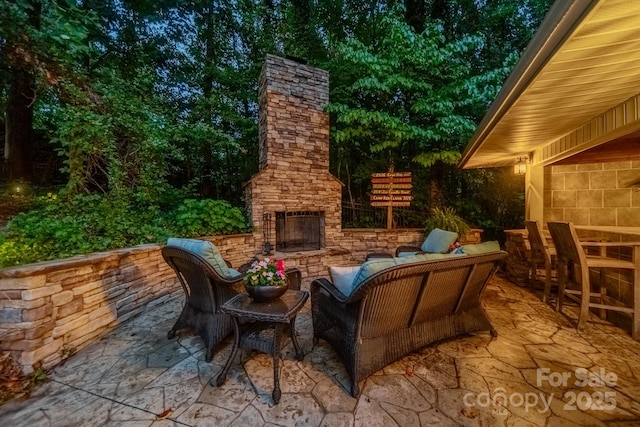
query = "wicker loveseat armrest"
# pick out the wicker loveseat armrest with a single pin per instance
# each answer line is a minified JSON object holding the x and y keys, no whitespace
{"x":324,"y":284}
{"x":408,"y":249}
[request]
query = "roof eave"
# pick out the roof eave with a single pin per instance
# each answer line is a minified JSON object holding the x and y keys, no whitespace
{"x":560,"y":21}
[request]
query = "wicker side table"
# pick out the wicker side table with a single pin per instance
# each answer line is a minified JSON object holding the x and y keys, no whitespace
{"x":264,"y":328}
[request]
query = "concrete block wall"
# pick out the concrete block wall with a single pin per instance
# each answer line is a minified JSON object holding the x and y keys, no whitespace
{"x":604,"y":194}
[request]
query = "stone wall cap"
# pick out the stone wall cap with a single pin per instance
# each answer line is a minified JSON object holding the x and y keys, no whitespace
{"x":74,"y":261}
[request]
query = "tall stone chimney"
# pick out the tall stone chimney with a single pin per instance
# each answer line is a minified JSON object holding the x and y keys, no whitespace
{"x":294,"y":184}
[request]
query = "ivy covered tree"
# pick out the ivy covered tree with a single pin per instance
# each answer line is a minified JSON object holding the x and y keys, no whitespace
{"x":41,"y":42}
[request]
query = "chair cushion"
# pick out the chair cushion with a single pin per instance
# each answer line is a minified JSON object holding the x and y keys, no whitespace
{"x":206,"y":250}
{"x":342,"y":278}
{"x":481,"y":248}
{"x":438,"y":241}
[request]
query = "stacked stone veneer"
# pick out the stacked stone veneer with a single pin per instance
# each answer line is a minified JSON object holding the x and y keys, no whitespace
{"x":593,"y":194}
{"x":294,"y":150}
{"x":50,"y":309}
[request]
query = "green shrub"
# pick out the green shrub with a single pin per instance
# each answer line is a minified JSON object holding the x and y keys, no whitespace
{"x":446,"y":219}
{"x":60,"y":228}
{"x":208,"y":217}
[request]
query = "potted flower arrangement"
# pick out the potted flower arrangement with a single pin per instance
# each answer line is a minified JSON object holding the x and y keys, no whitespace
{"x":266,"y":279}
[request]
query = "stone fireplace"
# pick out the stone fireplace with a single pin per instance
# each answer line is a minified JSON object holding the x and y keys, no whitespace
{"x":293,"y":200}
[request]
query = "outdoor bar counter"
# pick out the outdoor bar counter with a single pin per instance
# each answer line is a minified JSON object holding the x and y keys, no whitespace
{"x":612,"y":234}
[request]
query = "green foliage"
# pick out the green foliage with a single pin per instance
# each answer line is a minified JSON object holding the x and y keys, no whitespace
{"x":39,"y":376}
{"x":209,"y":217}
{"x":142,"y":100}
{"x":60,"y":228}
{"x":446,"y":219}
{"x":410,"y":93}
{"x":498,"y":201}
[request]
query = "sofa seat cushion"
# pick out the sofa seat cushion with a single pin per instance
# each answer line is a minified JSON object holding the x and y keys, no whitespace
{"x":206,"y":250}
{"x":480,"y":248}
{"x":438,"y":241}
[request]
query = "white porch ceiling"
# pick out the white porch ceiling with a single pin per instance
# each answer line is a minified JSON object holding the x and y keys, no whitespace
{"x":584,"y":60}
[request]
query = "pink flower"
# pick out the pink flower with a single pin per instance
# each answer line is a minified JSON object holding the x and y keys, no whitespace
{"x":280,"y":265}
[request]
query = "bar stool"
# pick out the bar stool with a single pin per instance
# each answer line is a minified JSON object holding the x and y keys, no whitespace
{"x":541,"y":251}
{"x":571,"y":255}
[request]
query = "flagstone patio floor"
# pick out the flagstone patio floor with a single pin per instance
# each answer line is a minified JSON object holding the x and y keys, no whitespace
{"x":539,"y":371}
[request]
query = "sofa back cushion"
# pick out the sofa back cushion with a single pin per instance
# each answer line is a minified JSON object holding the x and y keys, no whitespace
{"x":376,"y":265}
{"x":343,"y":278}
{"x":206,"y":250}
{"x":481,"y":248}
{"x":438,"y":241}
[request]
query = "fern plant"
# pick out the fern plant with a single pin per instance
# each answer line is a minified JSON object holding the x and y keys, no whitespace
{"x":446,"y":219}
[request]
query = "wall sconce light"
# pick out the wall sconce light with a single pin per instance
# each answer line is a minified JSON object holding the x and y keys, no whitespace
{"x":520,"y":168}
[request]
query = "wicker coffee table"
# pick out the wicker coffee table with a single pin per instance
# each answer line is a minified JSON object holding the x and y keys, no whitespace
{"x":264,"y":327}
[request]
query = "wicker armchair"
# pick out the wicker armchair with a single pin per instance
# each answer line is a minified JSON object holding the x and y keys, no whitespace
{"x":205,"y":291}
{"x":402,"y":309}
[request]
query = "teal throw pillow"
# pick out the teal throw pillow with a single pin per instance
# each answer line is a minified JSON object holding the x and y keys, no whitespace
{"x":438,"y":241}
{"x":342,"y":278}
{"x":481,"y":248}
{"x":206,"y":250}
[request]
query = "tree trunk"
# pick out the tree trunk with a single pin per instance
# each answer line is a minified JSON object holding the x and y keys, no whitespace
{"x":435,"y":186}
{"x":206,"y":184}
{"x":19,"y":135}
{"x":18,"y":151}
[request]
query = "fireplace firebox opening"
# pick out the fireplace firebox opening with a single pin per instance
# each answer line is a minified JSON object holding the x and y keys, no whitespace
{"x":299,"y":230}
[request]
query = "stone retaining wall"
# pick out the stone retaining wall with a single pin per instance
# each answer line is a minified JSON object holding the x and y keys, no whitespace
{"x":50,"y":309}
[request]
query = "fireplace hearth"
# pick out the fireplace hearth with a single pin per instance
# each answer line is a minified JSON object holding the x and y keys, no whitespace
{"x":299,"y":231}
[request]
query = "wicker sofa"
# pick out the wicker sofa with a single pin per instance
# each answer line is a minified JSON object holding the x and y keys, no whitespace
{"x":401,"y":309}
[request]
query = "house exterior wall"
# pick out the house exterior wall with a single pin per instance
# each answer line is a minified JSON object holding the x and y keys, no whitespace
{"x":596,"y":194}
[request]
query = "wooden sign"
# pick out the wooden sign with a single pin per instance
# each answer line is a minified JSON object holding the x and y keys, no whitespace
{"x":390,"y":198}
{"x":391,"y":189}
{"x":390,"y":204}
{"x":391,"y":175}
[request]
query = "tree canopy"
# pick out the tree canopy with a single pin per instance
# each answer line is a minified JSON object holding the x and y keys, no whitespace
{"x":152,"y":97}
